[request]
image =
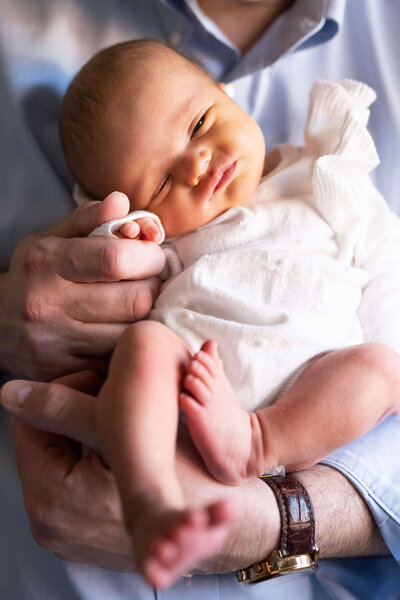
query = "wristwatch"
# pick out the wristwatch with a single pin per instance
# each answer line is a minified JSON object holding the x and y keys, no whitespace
{"x":297,"y":549}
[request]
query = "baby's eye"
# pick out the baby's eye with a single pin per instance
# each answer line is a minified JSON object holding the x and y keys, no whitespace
{"x":198,"y":124}
{"x":161,"y":193}
{"x":164,"y":183}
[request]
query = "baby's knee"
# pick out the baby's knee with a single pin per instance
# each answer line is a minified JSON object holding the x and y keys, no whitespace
{"x":379,"y":361}
{"x":143,"y":333}
{"x":153,"y":337}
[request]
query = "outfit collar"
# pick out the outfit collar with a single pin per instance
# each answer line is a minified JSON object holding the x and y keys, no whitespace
{"x":303,"y":25}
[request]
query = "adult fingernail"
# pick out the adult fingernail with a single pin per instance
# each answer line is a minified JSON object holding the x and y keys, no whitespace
{"x":14,"y":394}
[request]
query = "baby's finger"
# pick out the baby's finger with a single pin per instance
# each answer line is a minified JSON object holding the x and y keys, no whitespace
{"x":149,"y":230}
{"x":130,"y":230}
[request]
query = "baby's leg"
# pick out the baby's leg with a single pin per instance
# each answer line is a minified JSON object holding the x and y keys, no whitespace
{"x":137,"y":417}
{"x":341,"y":396}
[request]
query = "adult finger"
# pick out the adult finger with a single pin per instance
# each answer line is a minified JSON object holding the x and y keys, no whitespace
{"x":93,"y":341}
{"x":41,"y":447}
{"x":84,"y":381}
{"x":74,"y":364}
{"x":72,"y":502}
{"x":84,"y":219}
{"x":52,"y":407}
{"x":121,"y":302}
{"x":100,"y":259}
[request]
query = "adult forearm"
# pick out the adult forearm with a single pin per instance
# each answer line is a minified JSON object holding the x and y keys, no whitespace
{"x":344,"y":524}
{"x":254,"y":533}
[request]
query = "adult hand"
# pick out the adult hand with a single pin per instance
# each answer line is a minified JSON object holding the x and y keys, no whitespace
{"x":52,"y":321}
{"x":73,"y":503}
{"x":74,"y":507}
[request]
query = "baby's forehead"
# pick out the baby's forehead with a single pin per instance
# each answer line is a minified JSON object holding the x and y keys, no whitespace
{"x":160,"y":82}
{"x":164,"y":66}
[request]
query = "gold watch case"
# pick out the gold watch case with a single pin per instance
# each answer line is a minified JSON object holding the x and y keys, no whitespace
{"x":277,"y":565}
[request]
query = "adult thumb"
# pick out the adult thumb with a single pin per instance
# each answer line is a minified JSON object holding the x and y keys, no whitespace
{"x":52,"y":407}
{"x":85,"y":218}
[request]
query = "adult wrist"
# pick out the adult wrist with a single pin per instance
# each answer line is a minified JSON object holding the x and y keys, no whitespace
{"x":345,"y":526}
{"x":253,"y":535}
{"x":296,"y":551}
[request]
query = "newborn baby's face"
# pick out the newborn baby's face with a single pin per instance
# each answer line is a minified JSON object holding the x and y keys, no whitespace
{"x":182,"y":148}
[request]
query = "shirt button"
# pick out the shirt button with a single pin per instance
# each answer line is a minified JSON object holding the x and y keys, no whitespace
{"x":175,"y":38}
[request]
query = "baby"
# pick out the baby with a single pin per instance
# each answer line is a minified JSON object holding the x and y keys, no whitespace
{"x":272,"y":266}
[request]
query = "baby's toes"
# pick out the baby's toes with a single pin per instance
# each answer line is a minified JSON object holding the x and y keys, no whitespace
{"x":166,"y":552}
{"x":190,"y":406}
{"x":209,"y":356}
{"x":211,"y":348}
{"x":196,"y":388}
{"x":156,"y":574}
{"x":200,"y":371}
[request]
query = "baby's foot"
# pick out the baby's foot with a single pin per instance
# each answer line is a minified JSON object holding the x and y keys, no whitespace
{"x":171,"y":542}
{"x":220,"y":428}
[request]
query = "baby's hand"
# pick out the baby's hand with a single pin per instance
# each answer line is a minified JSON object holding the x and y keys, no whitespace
{"x":144,"y":228}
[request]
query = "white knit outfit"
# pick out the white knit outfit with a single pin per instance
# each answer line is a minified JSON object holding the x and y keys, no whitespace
{"x":283,"y":278}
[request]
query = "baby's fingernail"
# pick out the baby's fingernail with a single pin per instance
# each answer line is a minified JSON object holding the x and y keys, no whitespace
{"x":14,"y":394}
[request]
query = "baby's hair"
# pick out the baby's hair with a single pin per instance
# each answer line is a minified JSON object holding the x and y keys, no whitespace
{"x":83,"y":109}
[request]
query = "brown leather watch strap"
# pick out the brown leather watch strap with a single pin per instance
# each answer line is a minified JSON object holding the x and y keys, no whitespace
{"x":297,"y":515}
{"x":297,"y":551}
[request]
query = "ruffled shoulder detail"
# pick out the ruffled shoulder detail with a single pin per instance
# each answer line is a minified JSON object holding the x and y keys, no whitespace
{"x":338,"y":114}
{"x":336,"y":133}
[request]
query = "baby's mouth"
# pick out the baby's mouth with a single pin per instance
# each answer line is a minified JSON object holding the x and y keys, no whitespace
{"x":226,"y":176}
{"x":221,"y":177}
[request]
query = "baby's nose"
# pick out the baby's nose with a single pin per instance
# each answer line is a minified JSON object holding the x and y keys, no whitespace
{"x":198,"y":166}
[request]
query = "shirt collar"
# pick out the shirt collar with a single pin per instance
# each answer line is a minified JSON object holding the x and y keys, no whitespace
{"x":303,"y":25}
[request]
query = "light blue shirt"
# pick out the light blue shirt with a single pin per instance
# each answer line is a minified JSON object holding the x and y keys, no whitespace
{"x":43,"y":44}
